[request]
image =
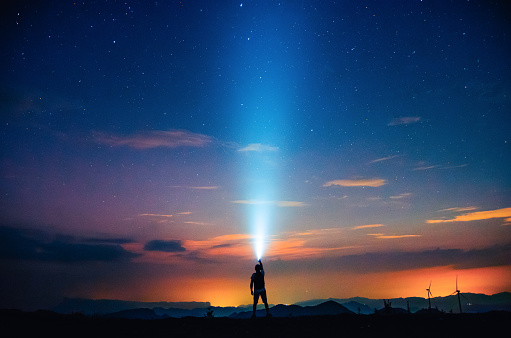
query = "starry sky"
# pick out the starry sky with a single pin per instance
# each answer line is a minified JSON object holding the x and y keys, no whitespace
{"x":150,"y":150}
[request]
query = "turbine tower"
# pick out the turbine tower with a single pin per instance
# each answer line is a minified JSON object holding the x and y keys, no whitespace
{"x":458,"y":292}
{"x":430,"y":294}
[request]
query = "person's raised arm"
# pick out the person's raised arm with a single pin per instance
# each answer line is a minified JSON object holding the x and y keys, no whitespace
{"x":261,"y":263}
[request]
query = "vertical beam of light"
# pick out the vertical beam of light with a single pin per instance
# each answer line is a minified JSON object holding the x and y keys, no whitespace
{"x":260,"y":216}
{"x":261,"y":193}
{"x":264,"y":72}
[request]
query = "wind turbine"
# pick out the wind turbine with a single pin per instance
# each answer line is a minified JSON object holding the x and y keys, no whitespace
{"x":458,"y":292}
{"x":430,"y":294}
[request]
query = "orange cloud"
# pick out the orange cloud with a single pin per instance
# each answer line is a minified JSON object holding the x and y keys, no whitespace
{"x":476,"y":216}
{"x":367,"y":226}
{"x":372,"y":182}
{"x":296,"y":249}
{"x":235,"y":244}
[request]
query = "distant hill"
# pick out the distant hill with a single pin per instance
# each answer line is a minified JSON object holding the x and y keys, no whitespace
{"x":135,"y":314}
{"x":471,"y":303}
{"x":327,"y":308}
{"x":105,"y":306}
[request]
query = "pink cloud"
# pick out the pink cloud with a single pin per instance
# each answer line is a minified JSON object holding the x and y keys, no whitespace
{"x":154,"y":139}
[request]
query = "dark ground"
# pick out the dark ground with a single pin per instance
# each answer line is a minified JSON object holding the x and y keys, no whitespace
{"x":49,"y":324}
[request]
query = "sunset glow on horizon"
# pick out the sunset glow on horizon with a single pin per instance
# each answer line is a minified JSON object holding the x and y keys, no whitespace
{"x":154,"y":151}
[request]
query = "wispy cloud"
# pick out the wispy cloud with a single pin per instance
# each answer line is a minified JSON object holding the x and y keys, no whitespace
{"x":198,"y":223}
{"x":404,"y":120}
{"x":259,"y":147}
{"x":251,"y":202}
{"x":440,"y":167}
{"x":293,"y":204}
{"x":383,"y":159}
{"x":476,"y":216}
{"x":238,"y":245}
{"x":400,"y":196}
{"x":214,"y":187}
{"x":371,"y":182}
{"x":292,"y":249}
{"x":156,"y":215}
{"x":426,"y":167}
{"x":383,"y":236}
{"x":358,"y":227}
{"x":154,"y":139}
{"x":458,"y":209}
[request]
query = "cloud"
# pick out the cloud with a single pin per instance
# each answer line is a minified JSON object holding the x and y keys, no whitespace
{"x":250,"y":202}
{"x":400,"y":196}
{"x":383,"y":159}
{"x":259,"y":147}
{"x":426,"y":167}
{"x":358,"y":227}
{"x":404,"y":120}
{"x":382,"y":236}
{"x":109,"y":240}
{"x":293,"y":204}
{"x":154,"y":139}
{"x":440,"y":167}
{"x":214,"y":187}
{"x":372,"y":182}
{"x":476,"y":216}
{"x":458,"y":209}
{"x":24,"y":244}
{"x":198,"y":223}
{"x":406,"y":260}
{"x":157,"y":215}
{"x":164,"y":246}
{"x":236,"y":245}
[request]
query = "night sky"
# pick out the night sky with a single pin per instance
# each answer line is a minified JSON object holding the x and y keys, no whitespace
{"x":150,"y":150}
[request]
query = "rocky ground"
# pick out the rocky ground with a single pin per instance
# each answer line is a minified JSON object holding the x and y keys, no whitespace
{"x":49,"y":324}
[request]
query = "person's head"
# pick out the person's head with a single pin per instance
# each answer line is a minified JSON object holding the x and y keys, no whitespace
{"x":258,"y":268}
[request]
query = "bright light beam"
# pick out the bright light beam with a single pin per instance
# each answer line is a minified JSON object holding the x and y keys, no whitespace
{"x":260,"y":224}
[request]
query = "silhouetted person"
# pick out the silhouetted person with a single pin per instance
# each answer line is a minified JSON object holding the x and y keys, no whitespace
{"x":257,"y":288}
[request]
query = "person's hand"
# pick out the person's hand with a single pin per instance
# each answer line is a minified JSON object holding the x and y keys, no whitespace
{"x":251,"y":292}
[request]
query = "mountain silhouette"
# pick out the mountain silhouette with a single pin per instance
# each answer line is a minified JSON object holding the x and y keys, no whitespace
{"x":472,"y":303}
{"x":135,"y":314}
{"x":328,"y":308}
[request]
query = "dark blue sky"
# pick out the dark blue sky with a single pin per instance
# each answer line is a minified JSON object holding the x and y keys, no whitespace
{"x":162,"y":138}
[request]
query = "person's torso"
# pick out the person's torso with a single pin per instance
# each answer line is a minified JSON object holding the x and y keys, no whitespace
{"x":259,"y":280}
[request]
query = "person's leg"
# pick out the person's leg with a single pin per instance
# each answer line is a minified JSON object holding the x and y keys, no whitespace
{"x":256,"y":299}
{"x":265,"y":301}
